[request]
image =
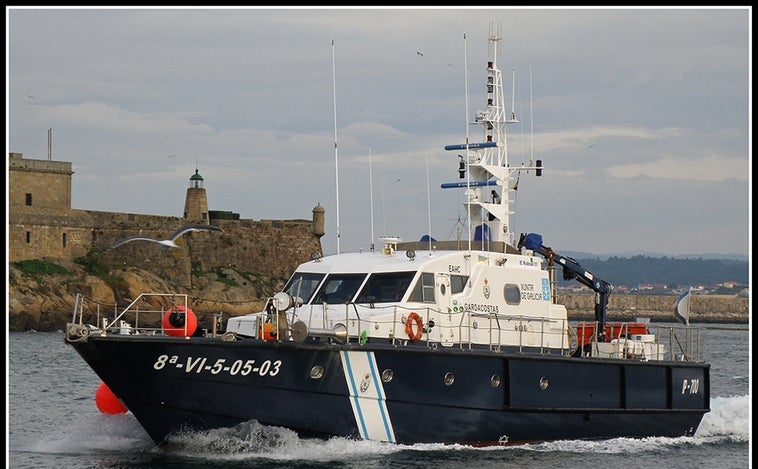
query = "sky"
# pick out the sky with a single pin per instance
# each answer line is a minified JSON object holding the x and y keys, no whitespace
{"x":641,"y":117}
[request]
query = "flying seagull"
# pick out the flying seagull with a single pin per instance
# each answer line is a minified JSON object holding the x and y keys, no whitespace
{"x":170,"y":242}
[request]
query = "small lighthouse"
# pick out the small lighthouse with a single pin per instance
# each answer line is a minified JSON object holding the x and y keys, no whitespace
{"x":196,"y":202}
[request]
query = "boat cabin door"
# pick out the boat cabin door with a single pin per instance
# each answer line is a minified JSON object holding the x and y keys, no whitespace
{"x":447,"y":329}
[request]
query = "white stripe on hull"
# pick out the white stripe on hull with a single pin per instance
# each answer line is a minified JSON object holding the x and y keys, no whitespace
{"x":367,"y":396}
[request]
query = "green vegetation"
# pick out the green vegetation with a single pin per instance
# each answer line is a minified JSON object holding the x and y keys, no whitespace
{"x":263,"y":285}
{"x":37,"y":270}
{"x":93,"y":263}
{"x":225,"y":279}
{"x":36,"y":267}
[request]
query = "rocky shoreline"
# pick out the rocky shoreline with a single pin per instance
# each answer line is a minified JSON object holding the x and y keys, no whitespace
{"x":45,"y":302}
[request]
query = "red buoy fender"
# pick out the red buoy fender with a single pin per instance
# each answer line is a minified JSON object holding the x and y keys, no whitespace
{"x":414,"y":318}
{"x":174,"y":320}
{"x":268,"y":331}
{"x":107,"y":402}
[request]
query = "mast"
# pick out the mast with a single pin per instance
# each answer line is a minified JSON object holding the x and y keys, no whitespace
{"x":336,"y":158}
{"x":486,"y":161}
{"x":496,"y":211}
{"x":371,"y":198}
{"x":467,"y":158}
{"x":428,"y":203}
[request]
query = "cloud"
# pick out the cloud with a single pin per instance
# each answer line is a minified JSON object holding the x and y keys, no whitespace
{"x":99,"y":117}
{"x":701,"y":168}
{"x":625,"y":102}
{"x":587,"y":138}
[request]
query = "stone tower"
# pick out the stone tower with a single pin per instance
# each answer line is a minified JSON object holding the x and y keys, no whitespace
{"x":196,"y":202}
{"x":318,"y":220}
{"x":38,"y":184}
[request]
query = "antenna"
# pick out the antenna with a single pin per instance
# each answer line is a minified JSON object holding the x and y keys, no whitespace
{"x":381,"y":186}
{"x":336,"y":158}
{"x":468,"y":155}
{"x":428,"y":202}
{"x":513,"y":95}
{"x":371,"y":198}
{"x":531,"y":118}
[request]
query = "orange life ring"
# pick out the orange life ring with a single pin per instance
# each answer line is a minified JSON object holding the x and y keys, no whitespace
{"x":414,"y":336}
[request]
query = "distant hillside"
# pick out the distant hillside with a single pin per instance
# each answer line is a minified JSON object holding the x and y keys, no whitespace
{"x":636,"y":270}
{"x":708,"y":256}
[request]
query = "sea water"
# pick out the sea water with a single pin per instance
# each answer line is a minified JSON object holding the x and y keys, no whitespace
{"x":53,"y":421}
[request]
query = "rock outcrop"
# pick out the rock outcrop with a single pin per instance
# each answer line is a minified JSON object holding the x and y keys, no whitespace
{"x":45,"y":302}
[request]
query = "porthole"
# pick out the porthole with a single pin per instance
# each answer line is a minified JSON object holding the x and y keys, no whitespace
{"x":512,"y":294}
{"x":387,"y":375}
{"x":495,"y":381}
{"x":544,"y":383}
{"x":317,"y":372}
{"x":449,"y":378}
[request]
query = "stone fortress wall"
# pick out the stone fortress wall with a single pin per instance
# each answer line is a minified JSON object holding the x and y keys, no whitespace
{"x":42,"y":224}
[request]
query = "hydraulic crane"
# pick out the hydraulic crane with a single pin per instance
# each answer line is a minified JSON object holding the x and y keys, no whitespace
{"x":572,"y":270}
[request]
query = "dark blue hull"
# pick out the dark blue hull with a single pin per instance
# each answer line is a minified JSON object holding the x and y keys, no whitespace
{"x":409,"y":394}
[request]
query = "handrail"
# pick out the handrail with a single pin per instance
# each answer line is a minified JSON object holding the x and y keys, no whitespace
{"x":540,"y":334}
{"x":104,"y":324}
{"x":141,"y":295}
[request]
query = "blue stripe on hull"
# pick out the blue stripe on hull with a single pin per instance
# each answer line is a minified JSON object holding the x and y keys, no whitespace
{"x":367,"y":396}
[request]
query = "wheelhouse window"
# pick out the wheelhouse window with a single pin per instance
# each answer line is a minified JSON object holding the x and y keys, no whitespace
{"x":423,"y":290}
{"x":387,"y":287}
{"x":303,"y":285}
{"x":339,"y":288}
{"x":458,"y":283}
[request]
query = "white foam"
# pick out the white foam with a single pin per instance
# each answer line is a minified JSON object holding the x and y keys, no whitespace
{"x":728,"y":421}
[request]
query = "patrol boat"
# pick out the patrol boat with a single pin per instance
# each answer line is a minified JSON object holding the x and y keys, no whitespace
{"x":414,"y":342}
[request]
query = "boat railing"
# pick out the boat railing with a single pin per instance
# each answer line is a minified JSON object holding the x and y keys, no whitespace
{"x":684,"y":343}
{"x":681,"y":343}
{"x":473,"y":330}
{"x":526,"y":333}
{"x":140,"y":316}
